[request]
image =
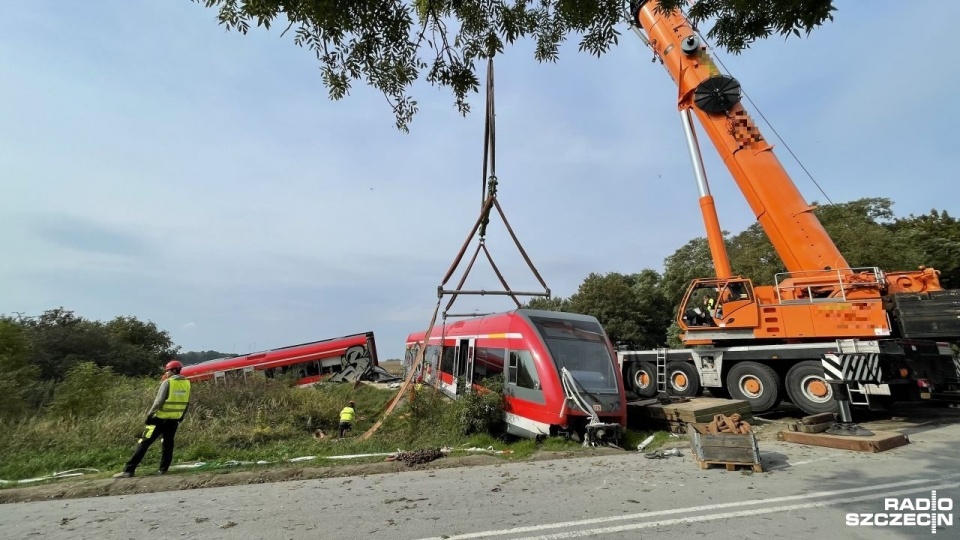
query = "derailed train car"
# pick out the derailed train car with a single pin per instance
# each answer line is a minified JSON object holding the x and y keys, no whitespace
{"x":309,"y":362}
{"x":560,"y":371}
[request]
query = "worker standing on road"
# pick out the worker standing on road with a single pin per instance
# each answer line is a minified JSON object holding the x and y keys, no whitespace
{"x":346,"y":418}
{"x":163,"y":418}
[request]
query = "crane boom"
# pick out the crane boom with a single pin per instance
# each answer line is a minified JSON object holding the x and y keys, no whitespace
{"x":787,"y":219}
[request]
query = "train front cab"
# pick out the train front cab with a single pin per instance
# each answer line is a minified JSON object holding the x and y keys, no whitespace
{"x":579,"y":344}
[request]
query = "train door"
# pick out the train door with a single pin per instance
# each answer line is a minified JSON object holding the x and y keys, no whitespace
{"x":464,"y":364}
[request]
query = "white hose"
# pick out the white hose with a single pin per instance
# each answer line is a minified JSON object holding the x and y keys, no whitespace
{"x":570,"y":389}
{"x":195,"y":465}
{"x":54,"y":476}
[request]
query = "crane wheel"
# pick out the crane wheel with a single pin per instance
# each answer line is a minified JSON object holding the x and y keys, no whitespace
{"x":683,"y":379}
{"x":643,"y":379}
{"x":756,"y":383}
{"x":808,"y":389}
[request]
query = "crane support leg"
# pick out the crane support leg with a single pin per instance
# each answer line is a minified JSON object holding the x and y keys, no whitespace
{"x":840,"y":370}
{"x":845,"y":426}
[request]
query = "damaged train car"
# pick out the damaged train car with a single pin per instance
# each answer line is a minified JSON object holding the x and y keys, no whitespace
{"x":347,"y":358}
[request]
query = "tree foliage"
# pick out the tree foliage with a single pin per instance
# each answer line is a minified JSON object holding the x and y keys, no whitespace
{"x":391,"y":44}
{"x":631,"y":307}
{"x":59,"y":340}
{"x":195,"y":357}
{"x":84,"y":390}
{"x":687,"y":263}
{"x":18,"y":377}
{"x":737,"y":24}
{"x":936,"y":237}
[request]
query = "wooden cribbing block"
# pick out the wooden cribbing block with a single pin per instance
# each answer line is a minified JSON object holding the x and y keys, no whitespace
{"x":817,"y":419}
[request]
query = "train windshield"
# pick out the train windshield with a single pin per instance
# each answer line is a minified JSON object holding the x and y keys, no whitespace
{"x":580,"y":347}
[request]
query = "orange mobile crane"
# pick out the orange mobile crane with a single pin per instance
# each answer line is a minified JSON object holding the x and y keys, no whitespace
{"x":762,"y":343}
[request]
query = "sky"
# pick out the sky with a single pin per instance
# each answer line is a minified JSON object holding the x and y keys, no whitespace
{"x":155,"y":165}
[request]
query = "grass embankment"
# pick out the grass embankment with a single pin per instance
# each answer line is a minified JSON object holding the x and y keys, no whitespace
{"x":246,"y":421}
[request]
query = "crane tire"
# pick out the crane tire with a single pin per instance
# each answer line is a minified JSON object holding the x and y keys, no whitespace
{"x":807,"y":388}
{"x":683,"y":379}
{"x":755,"y":383}
{"x":638,"y":370}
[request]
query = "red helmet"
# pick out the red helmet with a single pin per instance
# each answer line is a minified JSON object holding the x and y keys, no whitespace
{"x":173,"y":364}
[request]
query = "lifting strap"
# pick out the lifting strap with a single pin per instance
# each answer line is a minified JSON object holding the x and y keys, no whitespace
{"x":480,"y":229}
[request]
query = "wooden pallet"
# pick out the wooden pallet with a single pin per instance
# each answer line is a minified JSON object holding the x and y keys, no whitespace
{"x":730,"y":465}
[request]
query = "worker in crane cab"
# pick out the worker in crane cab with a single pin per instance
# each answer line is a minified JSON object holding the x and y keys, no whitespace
{"x":710,"y":306}
{"x":701,"y":314}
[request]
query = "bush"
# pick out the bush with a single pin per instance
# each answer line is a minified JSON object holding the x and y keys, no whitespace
{"x":18,"y":378}
{"x":481,"y":411}
{"x":84,"y":390}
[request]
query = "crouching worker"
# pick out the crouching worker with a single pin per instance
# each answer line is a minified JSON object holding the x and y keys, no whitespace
{"x":346,"y":418}
{"x":163,"y":418}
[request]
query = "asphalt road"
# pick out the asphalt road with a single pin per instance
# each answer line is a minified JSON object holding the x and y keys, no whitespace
{"x":807,"y":492}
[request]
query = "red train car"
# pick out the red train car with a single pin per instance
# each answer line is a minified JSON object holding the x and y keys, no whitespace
{"x":532,"y":349}
{"x":310,"y":362}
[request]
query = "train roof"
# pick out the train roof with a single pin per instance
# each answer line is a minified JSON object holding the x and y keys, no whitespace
{"x":505,"y":315}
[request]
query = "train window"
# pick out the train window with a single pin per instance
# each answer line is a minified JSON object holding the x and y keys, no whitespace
{"x":579,"y":346}
{"x":446,"y":362}
{"x":522,"y":371}
{"x":313,"y":368}
{"x":488,"y":362}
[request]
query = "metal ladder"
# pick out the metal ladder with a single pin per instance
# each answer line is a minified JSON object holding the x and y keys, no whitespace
{"x":661,"y":371}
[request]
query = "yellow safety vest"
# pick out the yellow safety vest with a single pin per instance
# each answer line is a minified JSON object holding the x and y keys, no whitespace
{"x":178,"y":396}
{"x":346,"y":415}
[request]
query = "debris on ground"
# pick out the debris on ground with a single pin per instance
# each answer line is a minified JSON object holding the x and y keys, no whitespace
{"x":416,"y":457}
{"x":364,"y":370}
{"x":660,"y":454}
{"x":728,"y":424}
{"x":54,"y":476}
{"x":646,"y":442}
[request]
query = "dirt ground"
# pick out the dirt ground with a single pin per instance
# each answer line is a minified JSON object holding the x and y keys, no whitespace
{"x":72,"y":488}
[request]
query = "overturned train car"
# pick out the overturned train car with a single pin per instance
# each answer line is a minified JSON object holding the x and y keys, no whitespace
{"x":308,"y":363}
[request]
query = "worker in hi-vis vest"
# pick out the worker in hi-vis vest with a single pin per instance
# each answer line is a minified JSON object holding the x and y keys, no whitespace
{"x":346,"y":417}
{"x":163,"y":418}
